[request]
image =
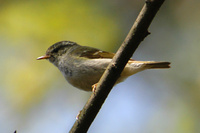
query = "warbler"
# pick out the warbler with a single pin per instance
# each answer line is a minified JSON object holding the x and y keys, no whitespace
{"x":83,"y":66}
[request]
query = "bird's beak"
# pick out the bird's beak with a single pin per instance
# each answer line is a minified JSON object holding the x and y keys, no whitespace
{"x":43,"y":57}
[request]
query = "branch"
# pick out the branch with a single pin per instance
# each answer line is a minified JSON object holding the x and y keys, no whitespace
{"x":136,"y":35}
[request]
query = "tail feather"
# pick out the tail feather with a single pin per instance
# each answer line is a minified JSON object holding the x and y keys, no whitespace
{"x":157,"y":65}
{"x":151,"y":64}
{"x":136,"y":66}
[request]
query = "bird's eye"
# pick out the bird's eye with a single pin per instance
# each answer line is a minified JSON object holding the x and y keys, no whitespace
{"x":52,"y":59}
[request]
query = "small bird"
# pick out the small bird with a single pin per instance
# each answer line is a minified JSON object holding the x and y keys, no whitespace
{"x":83,"y":66}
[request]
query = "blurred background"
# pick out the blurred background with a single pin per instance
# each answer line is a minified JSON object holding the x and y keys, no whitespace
{"x":35,"y":98}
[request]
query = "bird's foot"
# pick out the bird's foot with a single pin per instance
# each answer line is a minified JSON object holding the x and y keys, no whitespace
{"x":94,"y":87}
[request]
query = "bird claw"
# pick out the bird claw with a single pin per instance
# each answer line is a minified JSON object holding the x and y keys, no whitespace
{"x":77,"y":116}
{"x":94,"y":87}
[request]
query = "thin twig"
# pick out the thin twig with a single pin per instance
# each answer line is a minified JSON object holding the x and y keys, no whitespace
{"x":137,"y":33}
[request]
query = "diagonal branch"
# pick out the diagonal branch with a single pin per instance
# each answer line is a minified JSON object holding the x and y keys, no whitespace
{"x":136,"y":35}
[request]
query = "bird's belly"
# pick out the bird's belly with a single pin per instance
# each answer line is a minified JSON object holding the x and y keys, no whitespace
{"x":89,"y":73}
{"x":84,"y":82}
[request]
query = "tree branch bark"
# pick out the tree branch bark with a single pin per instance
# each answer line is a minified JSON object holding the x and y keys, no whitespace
{"x":136,"y":35}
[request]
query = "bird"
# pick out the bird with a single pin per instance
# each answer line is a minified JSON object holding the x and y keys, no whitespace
{"x":83,"y":66}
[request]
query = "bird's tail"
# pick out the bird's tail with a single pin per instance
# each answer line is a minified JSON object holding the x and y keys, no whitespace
{"x":154,"y":64}
{"x":150,"y":64}
{"x":133,"y":67}
{"x":136,"y":66}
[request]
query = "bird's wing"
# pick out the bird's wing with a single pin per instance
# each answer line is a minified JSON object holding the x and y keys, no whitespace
{"x":94,"y":53}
